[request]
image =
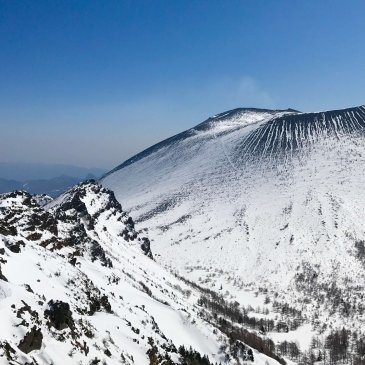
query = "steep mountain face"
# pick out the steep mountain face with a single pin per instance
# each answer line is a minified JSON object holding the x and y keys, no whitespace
{"x":260,"y":200}
{"x":78,"y":285}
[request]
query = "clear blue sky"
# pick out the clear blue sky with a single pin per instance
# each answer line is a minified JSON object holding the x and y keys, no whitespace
{"x":93,"y":82}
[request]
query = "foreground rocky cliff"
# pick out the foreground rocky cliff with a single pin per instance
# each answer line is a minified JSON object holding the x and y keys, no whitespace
{"x":78,"y":284}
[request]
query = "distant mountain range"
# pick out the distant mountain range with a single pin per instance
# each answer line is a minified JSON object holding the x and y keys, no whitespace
{"x":52,"y":187}
{"x":52,"y":180}
{"x":36,"y":171}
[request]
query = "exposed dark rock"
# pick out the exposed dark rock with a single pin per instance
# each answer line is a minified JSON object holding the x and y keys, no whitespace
{"x":98,"y":253}
{"x":59,"y":315}
{"x":360,"y":251}
{"x":146,"y":247}
{"x":44,"y":221}
{"x":105,"y":303}
{"x":7,"y":230}
{"x":98,"y":303}
{"x":15,"y":247}
{"x":76,"y":204}
{"x":2,"y":277}
{"x":130,"y":223}
{"x":107,"y":353}
{"x":31,"y":341}
{"x":8,"y":350}
{"x":34,"y":236}
{"x":28,"y":288}
{"x":53,"y":243}
{"x":27,"y":308}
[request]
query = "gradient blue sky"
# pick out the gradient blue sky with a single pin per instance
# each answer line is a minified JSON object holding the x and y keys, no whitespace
{"x":91,"y":83}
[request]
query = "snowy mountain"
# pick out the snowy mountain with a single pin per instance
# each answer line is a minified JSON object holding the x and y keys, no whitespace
{"x":79,"y":285}
{"x":262,"y":204}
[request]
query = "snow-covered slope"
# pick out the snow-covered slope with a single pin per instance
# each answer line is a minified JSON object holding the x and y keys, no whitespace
{"x":267,"y":199}
{"x":78,"y":285}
